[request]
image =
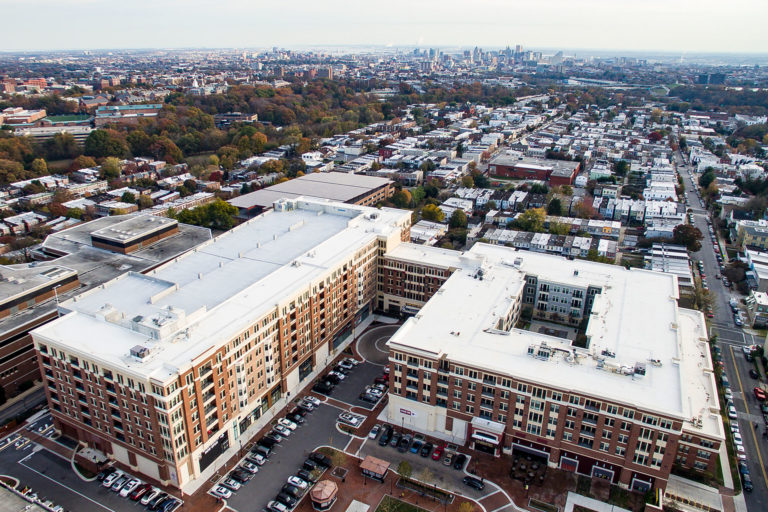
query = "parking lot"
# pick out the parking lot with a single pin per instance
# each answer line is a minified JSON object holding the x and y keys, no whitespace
{"x":348,"y":390}
{"x":51,"y":477}
{"x":443,"y":476}
{"x":318,"y":430}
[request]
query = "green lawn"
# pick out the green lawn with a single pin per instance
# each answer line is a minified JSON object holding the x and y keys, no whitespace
{"x":390,"y":504}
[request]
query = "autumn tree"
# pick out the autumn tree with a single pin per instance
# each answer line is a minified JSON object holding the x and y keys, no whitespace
{"x":531,"y":220}
{"x":401,"y":198}
{"x":82,"y":162}
{"x":110,"y":169}
{"x":689,"y":236}
{"x":432,"y":213}
{"x":39,"y":167}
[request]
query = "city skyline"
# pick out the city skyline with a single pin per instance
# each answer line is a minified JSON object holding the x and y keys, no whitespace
{"x":686,"y":26}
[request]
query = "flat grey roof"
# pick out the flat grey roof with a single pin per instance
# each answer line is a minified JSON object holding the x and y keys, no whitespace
{"x":134,"y":227}
{"x":97,"y":266}
{"x":336,"y":186}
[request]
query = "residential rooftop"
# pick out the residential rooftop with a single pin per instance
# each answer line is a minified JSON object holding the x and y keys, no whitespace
{"x":181,"y":310}
{"x":635,"y":322}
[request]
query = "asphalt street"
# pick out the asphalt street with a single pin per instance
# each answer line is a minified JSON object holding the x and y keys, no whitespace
{"x":731,"y":340}
{"x":30,"y":401}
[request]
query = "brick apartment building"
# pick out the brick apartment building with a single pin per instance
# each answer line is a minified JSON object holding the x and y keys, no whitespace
{"x":625,"y":401}
{"x":202,"y":347}
{"x":204,"y":350}
{"x":556,"y":172}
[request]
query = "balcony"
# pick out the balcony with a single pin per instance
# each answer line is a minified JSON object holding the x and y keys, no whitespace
{"x":207,"y":397}
{"x":205,"y":370}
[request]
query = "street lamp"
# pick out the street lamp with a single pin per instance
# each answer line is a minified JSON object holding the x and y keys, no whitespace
{"x":56,"y":294}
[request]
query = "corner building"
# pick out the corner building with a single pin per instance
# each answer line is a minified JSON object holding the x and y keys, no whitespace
{"x":586,"y":367}
{"x":168,"y":372}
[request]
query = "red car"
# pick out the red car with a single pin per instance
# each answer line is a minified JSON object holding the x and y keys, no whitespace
{"x":760,"y":394}
{"x":438,"y":451}
{"x":140,"y":491}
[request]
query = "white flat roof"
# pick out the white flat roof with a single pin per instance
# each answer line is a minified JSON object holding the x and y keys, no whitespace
{"x":635,"y":317}
{"x":183,"y":309}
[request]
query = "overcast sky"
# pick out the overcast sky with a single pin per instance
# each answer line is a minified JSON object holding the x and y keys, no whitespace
{"x":667,"y":25}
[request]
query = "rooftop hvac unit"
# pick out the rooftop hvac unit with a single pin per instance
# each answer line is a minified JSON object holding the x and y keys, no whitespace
{"x":140,"y":351}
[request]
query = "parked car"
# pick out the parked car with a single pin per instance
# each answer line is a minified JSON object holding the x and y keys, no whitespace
{"x":385,"y":436}
{"x":305,"y":475}
{"x":298,"y":482}
{"x":313,"y":400}
{"x":283,"y":431}
{"x":286,"y":499}
{"x":140,"y":491}
{"x":129,"y":487}
{"x":273,"y":436}
{"x":333,"y":378}
{"x":367,"y":397}
{"x":416,"y":446}
{"x":112,"y":478}
{"x":284,"y":422}
{"x":732,"y":412}
{"x":150,"y":495}
{"x":308,"y":404}
{"x":753,"y":373}
{"x":170,"y":505}
{"x":296,"y":416}
{"x":759,"y":394}
{"x":120,"y":483}
{"x":276,"y":506}
{"x":155,"y":502}
{"x":240,"y":475}
{"x":249,"y":467}
{"x":473,"y":482}
{"x":309,"y":465}
{"x":323,"y":387}
{"x":256,"y":458}
{"x":104,"y":473}
{"x":746,"y":482}
{"x":320,"y":459}
{"x":459,"y":462}
{"x":395,"y":439}
{"x":231,"y":483}
{"x":221,"y":492}
{"x":292,"y":490}
{"x":374,"y":432}
{"x":426,"y":450}
{"x":404,"y":443}
{"x":438,"y":451}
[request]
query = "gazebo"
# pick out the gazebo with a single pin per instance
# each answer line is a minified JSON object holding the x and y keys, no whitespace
{"x":323,"y":495}
{"x":375,"y":468}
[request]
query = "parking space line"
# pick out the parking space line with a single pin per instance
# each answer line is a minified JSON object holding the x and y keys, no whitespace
{"x":67,"y":487}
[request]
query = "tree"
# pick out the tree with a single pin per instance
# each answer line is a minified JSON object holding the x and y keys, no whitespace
{"x":555,"y":207}
{"x":39,"y":167}
{"x":559,"y":228}
{"x":583,"y":209}
{"x":401,"y":198}
{"x":82,"y":162}
{"x":531,"y":220}
{"x":426,"y":475}
{"x":467,"y":182}
{"x":104,"y":143}
{"x":689,"y":236}
{"x":338,"y":458}
{"x":404,"y":469}
{"x":433,"y":213}
{"x":145,"y":202}
{"x":218,"y":215}
{"x":566,"y":190}
{"x":539,"y":188}
{"x":757,"y":206}
{"x":164,"y":149}
{"x":458,"y":219}
{"x":110,"y":169}
{"x":621,"y":168}
{"x":707,"y":177}
{"x":467,"y":506}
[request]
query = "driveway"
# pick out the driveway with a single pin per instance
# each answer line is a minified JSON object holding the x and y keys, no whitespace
{"x":372,"y":344}
{"x":318,"y":430}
